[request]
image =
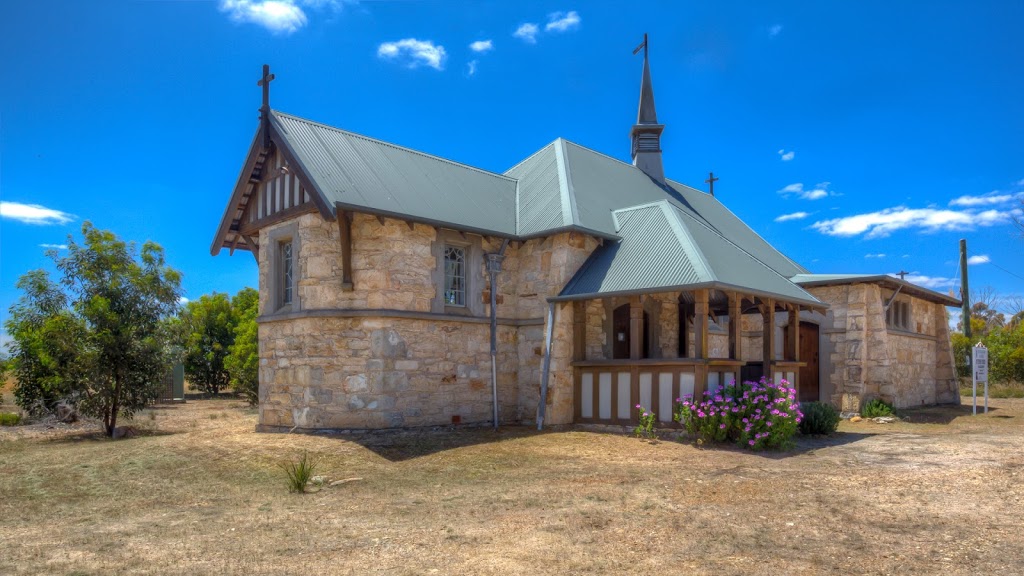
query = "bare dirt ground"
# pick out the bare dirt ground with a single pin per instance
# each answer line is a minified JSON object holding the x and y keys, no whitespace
{"x":198,"y":492}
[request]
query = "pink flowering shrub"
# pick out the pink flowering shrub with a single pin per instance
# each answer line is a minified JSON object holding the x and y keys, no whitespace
{"x":646,"y":427}
{"x":754,"y":415}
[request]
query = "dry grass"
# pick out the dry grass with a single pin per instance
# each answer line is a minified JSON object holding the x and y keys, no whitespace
{"x":199,"y":492}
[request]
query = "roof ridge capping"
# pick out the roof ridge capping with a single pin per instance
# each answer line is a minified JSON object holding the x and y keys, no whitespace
{"x":680,"y":212}
{"x":274,"y":113}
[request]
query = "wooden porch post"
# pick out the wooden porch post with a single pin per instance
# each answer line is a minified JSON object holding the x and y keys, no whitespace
{"x":768,"y":338}
{"x":579,"y":330}
{"x":700,"y":324}
{"x":793,"y":348}
{"x":735,"y":327}
{"x":794,"y":344}
{"x":636,"y":328}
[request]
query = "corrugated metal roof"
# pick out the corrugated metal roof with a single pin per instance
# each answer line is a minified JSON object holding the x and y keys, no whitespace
{"x":540,"y":201}
{"x":665,"y":247}
{"x":361,"y":172}
{"x":597,"y":185}
{"x":886,"y":279}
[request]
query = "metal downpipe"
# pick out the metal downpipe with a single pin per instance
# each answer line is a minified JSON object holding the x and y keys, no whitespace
{"x":493,"y":267}
{"x":548,"y":336}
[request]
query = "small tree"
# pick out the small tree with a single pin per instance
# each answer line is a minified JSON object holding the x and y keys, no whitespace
{"x":209,"y":330}
{"x":243,"y":359}
{"x":97,"y":339}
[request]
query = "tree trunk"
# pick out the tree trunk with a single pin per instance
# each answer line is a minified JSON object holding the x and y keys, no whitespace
{"x":114,"y":406}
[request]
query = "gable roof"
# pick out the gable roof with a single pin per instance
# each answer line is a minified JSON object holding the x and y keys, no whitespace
{"x":883,"y":279}
{"x":666,"y":247}
{"x":360,"y":173}
{"x":567,"y":185}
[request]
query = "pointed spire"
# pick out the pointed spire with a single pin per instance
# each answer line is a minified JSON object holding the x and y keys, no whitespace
{"x":646,"y":114}
{"x":646,"y":133}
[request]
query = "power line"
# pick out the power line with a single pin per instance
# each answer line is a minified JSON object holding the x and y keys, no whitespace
{"x":1005,"y":270}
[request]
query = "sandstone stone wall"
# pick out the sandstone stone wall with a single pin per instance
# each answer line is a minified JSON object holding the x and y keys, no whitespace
{"x":331,"y":370}
{"x":382,"y":373}
{"x":868,"y":359}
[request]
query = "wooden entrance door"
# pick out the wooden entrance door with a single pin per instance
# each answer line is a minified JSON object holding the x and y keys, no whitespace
{"x":809,"y":389}
{"x":620,"y":332}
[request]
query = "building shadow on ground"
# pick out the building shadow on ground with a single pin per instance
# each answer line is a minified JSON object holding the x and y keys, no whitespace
{"x":945,"y":413}
{"x":399,"y":445}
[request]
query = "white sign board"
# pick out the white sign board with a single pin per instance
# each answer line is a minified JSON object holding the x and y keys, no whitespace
{"x":980,"y":363}
{"x":979,"y":373}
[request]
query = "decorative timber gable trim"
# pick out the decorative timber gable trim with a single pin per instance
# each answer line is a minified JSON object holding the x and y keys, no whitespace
{"x":273,"y":186}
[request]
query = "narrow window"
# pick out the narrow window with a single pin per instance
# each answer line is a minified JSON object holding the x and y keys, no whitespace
{"x":286,"y":273}
{"x":454,"y":276}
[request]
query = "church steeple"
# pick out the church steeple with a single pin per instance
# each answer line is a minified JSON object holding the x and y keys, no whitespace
{"x":646,"y":133}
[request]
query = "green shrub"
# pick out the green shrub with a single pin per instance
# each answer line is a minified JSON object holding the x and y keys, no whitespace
{"x":299,"y":473}
{"x":819,"y":418}
{"x":876,"y":407}
{"x":8,"y":419}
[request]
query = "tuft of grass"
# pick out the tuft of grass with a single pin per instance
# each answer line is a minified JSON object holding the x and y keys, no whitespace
{"x":820,"y":418}
{"x":8,"y":419}
{"x":299,"y":473}
{"x":875,"y":408}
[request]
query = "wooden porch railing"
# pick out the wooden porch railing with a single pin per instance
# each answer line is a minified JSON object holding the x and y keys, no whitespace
{"x":607,"y":391}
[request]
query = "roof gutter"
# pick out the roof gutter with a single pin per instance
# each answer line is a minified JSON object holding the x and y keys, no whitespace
{"x":813,"y":304}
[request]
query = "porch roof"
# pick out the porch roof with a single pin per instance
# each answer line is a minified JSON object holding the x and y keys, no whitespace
{"x":664,"y":247}
{"x":883,"y":279}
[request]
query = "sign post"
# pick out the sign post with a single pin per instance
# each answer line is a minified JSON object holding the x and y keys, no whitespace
{"x":979,"y":372}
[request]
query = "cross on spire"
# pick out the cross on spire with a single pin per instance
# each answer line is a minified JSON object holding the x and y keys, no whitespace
{"x":265,"y":109}
{"x":711,"y":182}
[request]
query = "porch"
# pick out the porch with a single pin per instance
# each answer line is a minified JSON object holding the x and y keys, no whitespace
{"x":650,"y":349}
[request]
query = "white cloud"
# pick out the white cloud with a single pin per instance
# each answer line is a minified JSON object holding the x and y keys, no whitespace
{"x":33,"y":213}
{"x":54,"y":246}
{"x":414,"y":53}
{"x":562,"y":21}
{"x":471,"y":68}
{"x":793,"y":216}
{"x":183,"y":300}
{"x":482,"y":46}
{"x":774,"y":30}
{"x":786,"y":156}
{"x":989,"y":199}
{"x":979,"y":259}
{"x":874,"y":255}
{"x":884,"y":222}
{"x":818,"y":192}
{"x":527,"y":33}
{"x":933,"y":282}
{"x":278,"y":16}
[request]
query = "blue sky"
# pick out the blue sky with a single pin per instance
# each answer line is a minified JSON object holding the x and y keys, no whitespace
{"x":855,"y":137}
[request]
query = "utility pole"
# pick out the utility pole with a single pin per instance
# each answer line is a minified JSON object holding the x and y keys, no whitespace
{"x":965,"y":299}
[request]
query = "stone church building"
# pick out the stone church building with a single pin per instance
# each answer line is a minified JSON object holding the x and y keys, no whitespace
{"x":400,"y":289}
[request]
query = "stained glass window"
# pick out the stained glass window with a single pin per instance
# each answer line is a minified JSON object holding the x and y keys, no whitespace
{"x":454,"y":276}
{"x":286,"y":273}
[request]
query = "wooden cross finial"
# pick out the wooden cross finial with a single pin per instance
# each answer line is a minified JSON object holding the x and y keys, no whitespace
{"x":265,"y":109}
{"x":711,"y":182}
{"x":902,"y":274}
{"x":265,"y":83}
{"x":644,"y":46}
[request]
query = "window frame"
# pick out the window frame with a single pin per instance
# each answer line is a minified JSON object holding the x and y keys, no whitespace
{"x":463,"y":289}
{"x":277,"y":238}
{"x":474,"y":273}
{"x":899,"y":315}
